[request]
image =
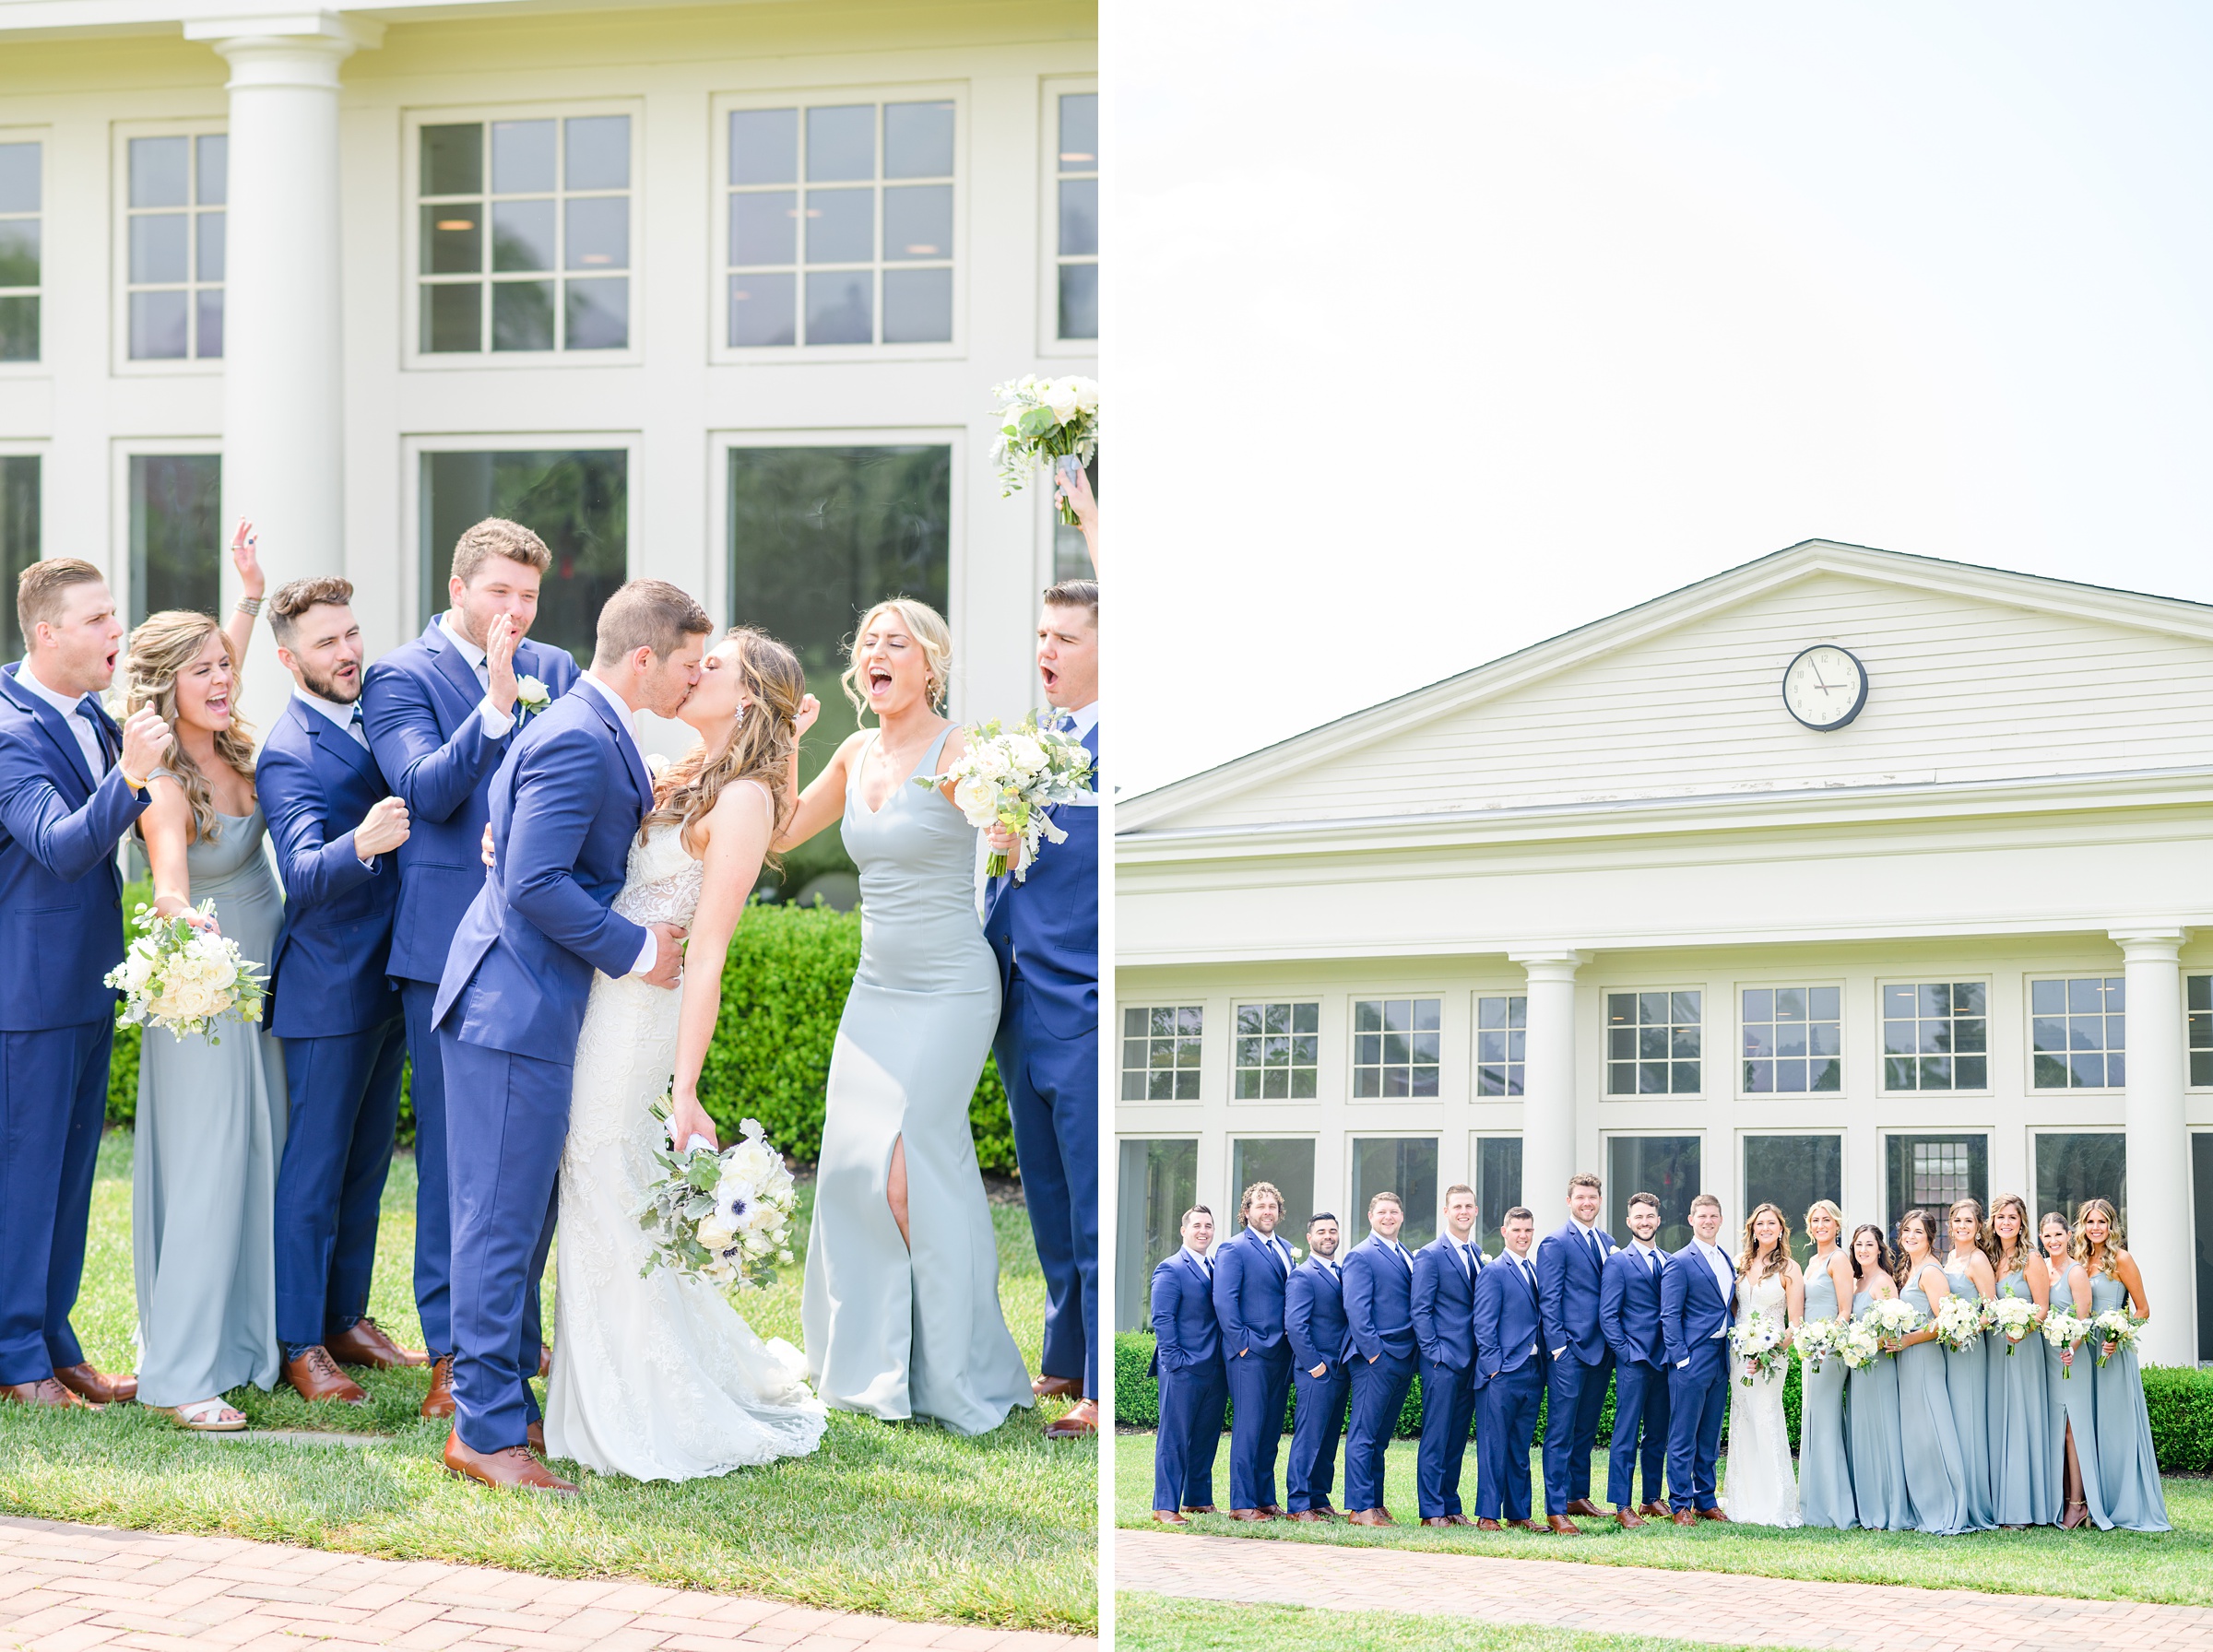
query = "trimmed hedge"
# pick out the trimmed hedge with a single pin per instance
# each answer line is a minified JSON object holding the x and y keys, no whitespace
{"x":783,"y":990}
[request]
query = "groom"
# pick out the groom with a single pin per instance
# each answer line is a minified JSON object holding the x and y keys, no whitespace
{"x":565,"y":806}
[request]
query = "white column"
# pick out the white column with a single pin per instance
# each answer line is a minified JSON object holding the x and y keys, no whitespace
{"x":283,"y":391}
{"x":2159,"y":1141}
{"x":1548,"y":1081}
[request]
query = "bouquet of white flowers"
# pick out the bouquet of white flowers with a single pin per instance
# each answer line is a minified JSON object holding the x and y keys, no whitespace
{"x":183,"y":976}
{"x":722,"y":1217}
{"x":1757,"y":1341}
{"x":1857,"y":1344}
{"x":1816,"y":1341}
{"x":2114,"y":1330}
{"x":1045,"y":419}
{"x":2064,"y":1329}
{"x":1011,"y":778}
{"x":2015,"y":1317}
{"x":1892,"y":1318}
{"x":1959,"y":1322}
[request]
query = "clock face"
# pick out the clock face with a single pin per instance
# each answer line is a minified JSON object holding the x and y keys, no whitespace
{"x":1825,"y":687}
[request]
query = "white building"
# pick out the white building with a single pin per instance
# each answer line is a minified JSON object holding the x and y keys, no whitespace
{"x":712,"y":292}
{"x":1610,"y":904}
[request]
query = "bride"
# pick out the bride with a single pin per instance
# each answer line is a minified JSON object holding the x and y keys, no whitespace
{"x":1761,"y":1487}
{"x":658,"y":1377}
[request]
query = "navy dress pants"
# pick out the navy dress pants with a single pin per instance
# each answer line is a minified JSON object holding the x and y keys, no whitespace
{"x":344,"y":1095}
{"x":1379,"y":1394}
{"x":1503,"y":1437}
{"x":1053,"y":1099}
{"x":53,"y":1099}
{"x":1640,"y":1408}
{"x":1698,"y":1396}
{"x":1191,"y":1403}
{"x":1316,"y":1428}
{"x":1447,"y":1403}
{"x":1575,"y":1394}
{"x":1259,"y":1384}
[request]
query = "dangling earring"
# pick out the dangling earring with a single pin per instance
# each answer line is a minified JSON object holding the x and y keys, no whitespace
{"x":740,"y":722}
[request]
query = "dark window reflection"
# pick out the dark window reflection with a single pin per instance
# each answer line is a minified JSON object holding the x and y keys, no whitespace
{"x":19,"y":538}
{"x":176,"y":533}
{"x":577,"y":503}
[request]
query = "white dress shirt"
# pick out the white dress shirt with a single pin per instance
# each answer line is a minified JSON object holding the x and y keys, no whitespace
{"x":73,"y":717}
{"x":1724,"y":1276}
{"x":1080,"y":722}
{"x":496,"y":722}
{"x":1648,"y":1254}
{"x":1206,"y":1265}
{"x":624,"y":720}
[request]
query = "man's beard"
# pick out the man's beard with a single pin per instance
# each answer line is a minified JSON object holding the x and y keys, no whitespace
{"x":322,"y":688}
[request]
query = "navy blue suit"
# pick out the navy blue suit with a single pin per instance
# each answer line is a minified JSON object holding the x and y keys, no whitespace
{"x":1314,"y":1321}
{"x":1444,"y":1326}
{"x":1378,"y":1315}
{"x":338,"y":1014}
{"x":1045,"y":933}
{"x":1187,"y":1364}
{"x":1250,"y":1274}
{"x":61,"y":931}
{"x":565,"y":807}
{"x":1510,"y":1359}
{"x":1629,"y":1315}
{"x":1569,"y":1270}
{"x":424,"y":706}
{"x":1692,"y":1308}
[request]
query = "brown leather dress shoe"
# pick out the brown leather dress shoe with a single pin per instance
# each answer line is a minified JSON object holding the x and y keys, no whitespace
{"x":44,"y":1392}
{"x":1682,"y":1517}
{"x":1626,"y":1517}
{"x":1489,"y":1525}
{"x":439,"y":1401}
{"x":1655,"y":1510}
{"x":1379,"y":1516}
{"x":1274,"y":1511}
{"x":1525,"y":1526}
{"x":536,"y":1435}
{"x":1585,"y":1507}
{"x":1080,"y":1422}
{"x":1713,"y":1513}
{"x":364,"y":1343}
{"x":511,"y":1469}
{"x":1308,"y":1514}
{"x":1247,"y":1514}
{"x":1460,"y":1520}
{"x":1053,"y":1388}
{"x":1198,"y":1508}
{"x":1168,"y":1517}
{"x":1560,"y":1526}
{"x":95,"y":1388}
{"x":1436,"y":1519}
{"x":316,"y":1376}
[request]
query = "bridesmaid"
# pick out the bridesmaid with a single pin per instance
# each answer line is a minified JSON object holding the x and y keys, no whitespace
{"x":2024,"y":1490}
{"x":1824,"y":1464}
{"x":1878,"y":1463}
{"x":1935,"y":1469}
{"x":1967,"y":1273}
{"x":2128,"y":1472}
{"x":2073,"y":1437}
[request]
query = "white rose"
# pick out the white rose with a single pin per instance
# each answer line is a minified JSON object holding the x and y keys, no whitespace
{"x":713,"y":1235}
{"x":1062,"y":396}
{"x":989,"y":761}
{"x":1025,"y":754}
{"x":977,"y":800}
{"x":1087,"y":395}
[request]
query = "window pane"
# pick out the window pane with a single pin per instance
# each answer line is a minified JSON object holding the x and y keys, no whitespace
{"x":841,"y":226}
{"x":158,"y":326}
{"x":1289,"y":1165}
{"x":18,"y":335}
{"x":765,"y":146}
{"x":1403,"y":1166}
{"x":452,"y":240}
{"x":764,"y":228}
{"x":1079,"y":216}
{"x":158,"y":247}
{"x":213,"y":154}
{"x":19,"y":251}
{"x":210,"y":320}
{"x":761,"y":310}
{"x":1158,"y":1181}
{"x":1078,"y":132}
{"x":1667,"y":1167}
{"x":841,"y":143}
{"x":19,"y":177}
{"x":2048,"y":997}
{"x":599,"y":232}
{"x":599,"y":314}
{"x":1079,"y":301}
{"x":2201,"y":1179}
{"x":522,"y":315}
{"x":1930,"y":1172}
{"x":451,"y":320}
{"x":522,"y":235}
{"x":598,"y":155}
{"x":837,"y":307}
{"x":2071,"y":1168}
{"x":158,"y":171}
{"x":577,"y":503}
{"x":918,"y":221}
{"x":1497,"y":1186}
{"x":522,"y":157}
{"x":917,"y":140}
{"x":1792,"y":1171}
{"x":19,"y":532}
{"x":175,"y":531}
{"x":453,"y":159}
{"x":207,"y":261}
{"x":918,"y":306}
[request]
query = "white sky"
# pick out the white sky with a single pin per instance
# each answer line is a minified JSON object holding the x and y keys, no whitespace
{"x":1433,"y":330}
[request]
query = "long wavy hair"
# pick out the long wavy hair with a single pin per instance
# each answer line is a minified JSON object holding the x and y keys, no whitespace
{"x":1983,"y":1235}
{"x":159,"y":649}
{"x":2109,"y":1260}
{"x":1885,"y":1264}
{"x":931,"y":635}
{"x":1750,"y":1254}
{"x":1927,"y":1224}
{"x":1999,"y":1257}
{"x":760,"y":747}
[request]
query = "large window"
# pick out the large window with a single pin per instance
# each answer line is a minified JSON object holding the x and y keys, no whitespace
{"x":1395,"y":1043}
{"x":1161,"y":1045}
{"x":176,"y":533}
{"x":1072,"y":557}
{"x":1928,"y":1172}
{"x":1793,"y":1040}
{"x":22,"y":194}
{"x":1406,"y":1165}
{"x":1076,"y":250}
{"x":1276,"y":1051}
{"x":1667,"y":1167}
{"x":1289,"y":1163}
{"x":841,"y":224}
{"x":2072,"y":1166}
{"x":818,"y":536}
{"x":1791,"y":1172}
{"x":578,"y":503}
{"x":19,"y":541}
{"x":1654,"y":1044}
{"x":2079,"y":1032}
{"x":1159,"y":1182}
{"x":523,"y":235}
{"x":173,"y":246}
{"x":1501,"y":1034}
{"x":2201,"y":1181}
{"x":1936,"y":1035}
{"x":1497,"y":1186}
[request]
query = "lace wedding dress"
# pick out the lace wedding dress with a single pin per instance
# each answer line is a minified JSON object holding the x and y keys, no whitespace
{"x":1760,"y":1489}
{"x":657,"y":1379}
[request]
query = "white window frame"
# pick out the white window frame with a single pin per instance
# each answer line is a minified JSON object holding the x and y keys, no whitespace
{"x":1167,"y":1001}
{"x":38,"y":366}
{"x":2029,"y":1051}
{"x":1487,"y":1221}
{"x":1887,"y":1134}
{"x":1261,"y":1001}
{"x":720,"y":351}
{"x":1355,"y":1207}
{"x":2187,"y":972}
{"x":413,"y":357}
{"x":1475,"y":1063}
{"x":1744,"y":1193}
{"x":122,"y":450}
{"x":1226,"y":1225}
{"x":1359,"y":996}
{"x":1606,"y":1094}
{"x":1738,"y":1058}
{"x":1704,"y":1137}
{"x":1990,"y":1023}
{"x":1049,"y":342}
{"x":121,"y":362}
{"x":2038,"y":1132}
{"x":37,"y":448}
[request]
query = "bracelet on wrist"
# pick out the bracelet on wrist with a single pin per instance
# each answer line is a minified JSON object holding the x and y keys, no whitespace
{"x":250,"y":606}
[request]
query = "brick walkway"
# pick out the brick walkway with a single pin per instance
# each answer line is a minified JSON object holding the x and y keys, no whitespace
{"x":64,"y":1588}
{"x":1692,"y":1606}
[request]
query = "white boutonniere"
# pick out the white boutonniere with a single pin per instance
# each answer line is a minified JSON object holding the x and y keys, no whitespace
{"x":1296,"y":1254}
{"x":530,"y":694}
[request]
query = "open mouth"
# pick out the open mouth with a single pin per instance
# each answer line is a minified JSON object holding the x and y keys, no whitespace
{"x":880,"y":679}
{"x":1051,"y":678}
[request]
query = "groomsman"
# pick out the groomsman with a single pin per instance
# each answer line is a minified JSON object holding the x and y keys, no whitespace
{"x":1444,"y":1326}
{"x":1251,"y":1273}
{"x":71,"y":784}
{"x":1378,"y":1315}
{"x":1570,"y":1262}
{"x":335,"y":826}
{"x":1628,"y":1312}
{"x":1187,"y":1362}
{"x":441,"y":711}
{"x":1044,"y":931}
{"x":1509,"y":1364}
{"x":1697,"y":1287}
{"x":1321,"y":1344}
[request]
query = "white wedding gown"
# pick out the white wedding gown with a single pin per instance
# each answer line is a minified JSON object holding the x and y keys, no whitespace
{"x":1761,"y":1488}
{"x":657,"y":1379}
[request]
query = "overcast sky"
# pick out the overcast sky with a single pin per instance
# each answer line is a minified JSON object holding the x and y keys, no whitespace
{"x":1437,"y":329}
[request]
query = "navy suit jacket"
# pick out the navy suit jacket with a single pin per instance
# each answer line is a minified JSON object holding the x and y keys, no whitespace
{"x":1314,"y":1317}
{"x":328,"y":974}
{"x":1444,"y":1305}
{"x":1510,"y":1327}
{"x":61,"y":893}
{"x":1567,"y":1280}
{"x":1185,"y":1334}
{"x":1248,"y":1293}
{"x":1629,"y":1307}
{"x":1379,"y":1300}
{"x":1047,"y":925}
{"x":565,"y":807}
{"x":1691,"y":1304}
{"x":425,"y":722}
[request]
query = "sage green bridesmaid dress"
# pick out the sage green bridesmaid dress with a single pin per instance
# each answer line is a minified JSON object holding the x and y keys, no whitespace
{"x":1967,"y":1382}
{"x":2074,"y":1409}
{"x":1935,"y":1469}
{"x":1878,"y":1465}
{"x":1824,"y":1460}
{"x":2128,"y":1471}
{"x":2024,"y":1481}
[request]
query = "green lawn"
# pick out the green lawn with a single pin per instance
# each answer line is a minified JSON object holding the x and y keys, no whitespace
{"x":1160,"y":1623}
{"x":900,"y":1519}
{"x":2175,"y":1567}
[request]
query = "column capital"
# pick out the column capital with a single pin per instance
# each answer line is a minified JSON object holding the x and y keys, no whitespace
{"x":303,"y":48}
{"x":2150,"y":943}
{"x":1549,"y":963}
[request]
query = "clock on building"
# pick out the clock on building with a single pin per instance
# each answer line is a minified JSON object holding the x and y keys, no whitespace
{"x":1825,"y":687}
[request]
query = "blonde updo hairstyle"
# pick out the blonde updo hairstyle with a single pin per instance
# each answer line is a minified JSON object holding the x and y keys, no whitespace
{"x":931,"y":635}
{"x":160,"y":651}
{"x":760,"y":747}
